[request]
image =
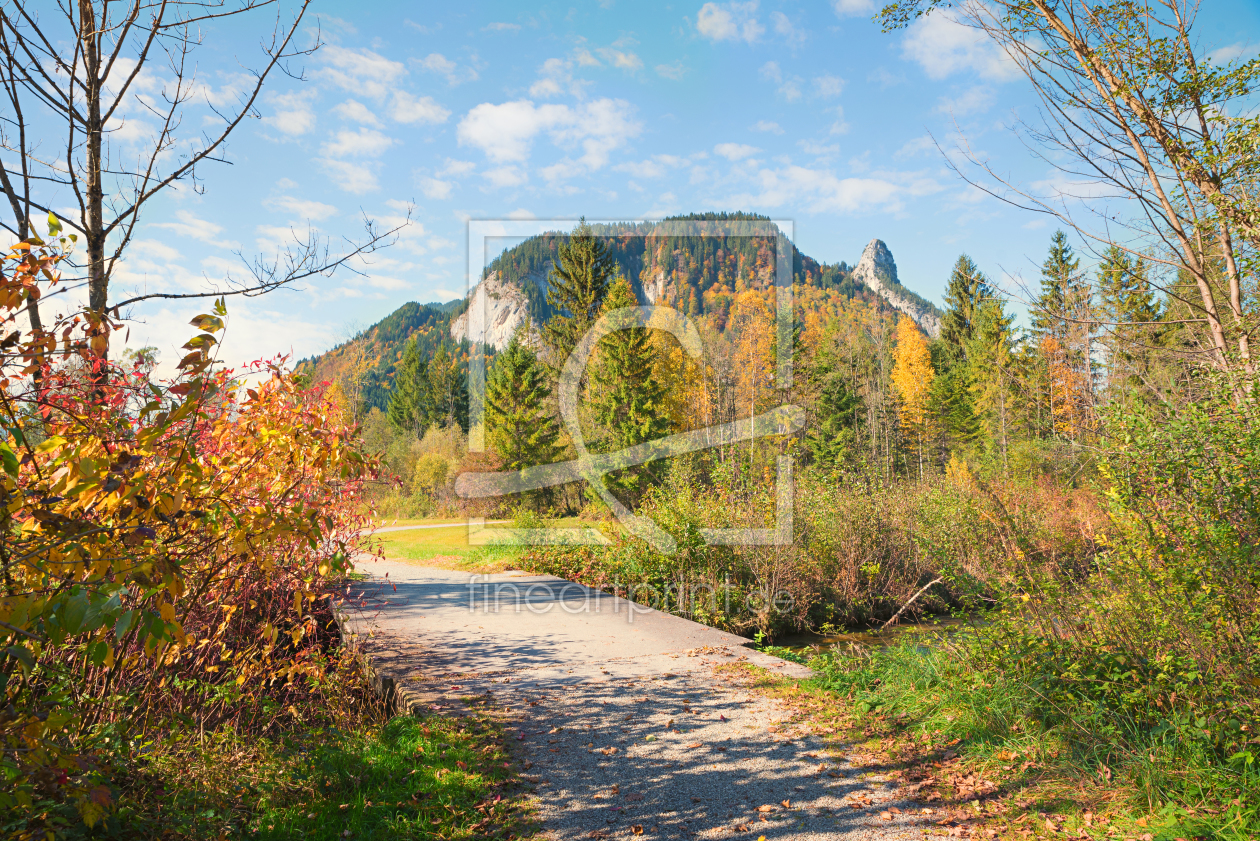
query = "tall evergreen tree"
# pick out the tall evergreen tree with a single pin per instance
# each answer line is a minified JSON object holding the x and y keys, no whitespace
{"x":411,"y":401}
{"x":626,"y":399}
{"x":519,"y":424}
{"x":1061,"y":321}
{"x":1129,"y":304}
{"x":577,"y":286}
{"x":966,"y":292}
{"x":448,"y":380}
{"x":1064,"y":293}
{"x":834,"y":432}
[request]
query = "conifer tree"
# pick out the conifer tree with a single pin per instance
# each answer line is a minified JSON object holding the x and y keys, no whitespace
{"x":448,"y":380}
{"x":967,"y":290}
{"x":519,"y":425}
{"x":1129,"y":304}
{"x":411,"y":401}
{"x":626,"y":399}
{"x":1064,"y":293}
{"x":835,"y":415}
{"x":1061,"y":321}
{"x":577,"y":286}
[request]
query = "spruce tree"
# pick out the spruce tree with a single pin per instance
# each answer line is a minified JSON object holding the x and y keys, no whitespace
{"x":411,"y":401}
{"x":1129,"y":303}
{"x":577,"y":286}
{"x":448,"y":383}
{"x":519,"y":425}
{"x":835,"y":415}
{"x":1061,"y":319}
{"x":1064,"y":294}
{"x":626,"y":399}
{"x":967,"y":290}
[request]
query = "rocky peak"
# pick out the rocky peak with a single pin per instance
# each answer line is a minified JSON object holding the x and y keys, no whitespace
{"x":496,"y":308}
{"x":878,"y":272}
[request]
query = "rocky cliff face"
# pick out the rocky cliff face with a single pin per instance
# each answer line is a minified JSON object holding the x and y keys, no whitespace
{"x":496,"y":309}
{"x":877,"y":271}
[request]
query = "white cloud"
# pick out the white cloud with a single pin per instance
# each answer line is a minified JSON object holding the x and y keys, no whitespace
{"x":521,"y":213}
{"x":443,"y":66}
{"x":556,"y":77}
{"x":828,"y":86}
{"x":671,"y":71}
{"x":883,"y":78}
{"x":735,"y":151}
{"x":435,"y":188}
{"x":1228,"y":53}
{"x":302,"y":208}
{"x":360,"y":143}
{"x":505,"y":132}
{"x":654,"y":167}
{"x":942,"y":46}
{"x":157,"y":250}
{"x":975,"y":100}
{"x":354,"y":110}
{"x":821,"y":191}
{"x":839,"y":126}
{"x":794,"y":35}
{"x":767,"y":125}
{"x":360,"y":71}
{"x":194,"y":227}
{"x":501,"y":27}
{"x":293,"y":113}
{"x":410,"y":109}
{"x":850,"y":8}
{"x":789,"y":88}
{"x":505,"y":176}
{"x":917,"y":146}
{"x":454,"y":167}
{"x":621,"y":59}
{"x":351,"y":177}
{"x":812,"y":147}
{"x":128,"y":130}
{"x":729,"y":22}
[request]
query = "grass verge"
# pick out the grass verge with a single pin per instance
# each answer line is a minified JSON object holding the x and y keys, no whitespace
{"x":992,"y":759}
{"x":365,"y":778}
{"x":448,"y":548}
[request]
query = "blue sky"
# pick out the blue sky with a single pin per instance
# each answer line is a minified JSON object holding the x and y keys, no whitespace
{"x":803,"y":111}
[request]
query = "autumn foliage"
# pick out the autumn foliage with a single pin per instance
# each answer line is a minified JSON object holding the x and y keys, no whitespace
{"x":169,"y":549}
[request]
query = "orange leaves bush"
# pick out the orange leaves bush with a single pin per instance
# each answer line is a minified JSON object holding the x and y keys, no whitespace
{"x":170,"y":549}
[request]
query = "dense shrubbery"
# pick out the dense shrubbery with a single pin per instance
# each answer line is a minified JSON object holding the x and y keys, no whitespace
{"x":170,"y":552}
{"x":860,"y":549}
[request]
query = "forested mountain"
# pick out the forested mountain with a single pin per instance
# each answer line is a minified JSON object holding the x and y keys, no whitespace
{"x":375,"y":353}
{"x":683,"y":261}
{"x":696,"y":263}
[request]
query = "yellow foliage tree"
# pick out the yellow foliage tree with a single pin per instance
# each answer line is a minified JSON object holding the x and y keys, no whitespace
{"x":912,"y":375}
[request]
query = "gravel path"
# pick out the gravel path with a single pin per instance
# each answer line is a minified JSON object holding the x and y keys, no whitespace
{"x":627,"y":729}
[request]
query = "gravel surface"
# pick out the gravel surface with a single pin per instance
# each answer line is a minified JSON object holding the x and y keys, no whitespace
{"x":690,"y":755}
{"x":625,"y":723}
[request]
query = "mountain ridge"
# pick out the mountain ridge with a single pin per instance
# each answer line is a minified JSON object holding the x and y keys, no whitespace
{"x":699,"y":271}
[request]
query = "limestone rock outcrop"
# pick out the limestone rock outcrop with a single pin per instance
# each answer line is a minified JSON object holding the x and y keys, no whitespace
{"x":877,"y":271}
{"x":496,"y":309}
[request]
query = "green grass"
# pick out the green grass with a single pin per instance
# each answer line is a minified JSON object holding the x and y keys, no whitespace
{"x":412,"y":778}
{"x":921,"y":699}
{"x":407,"y":778}
{"x":448,"y":547}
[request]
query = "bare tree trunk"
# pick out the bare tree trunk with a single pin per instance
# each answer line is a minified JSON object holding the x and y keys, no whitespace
{"x":98,"y":289}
